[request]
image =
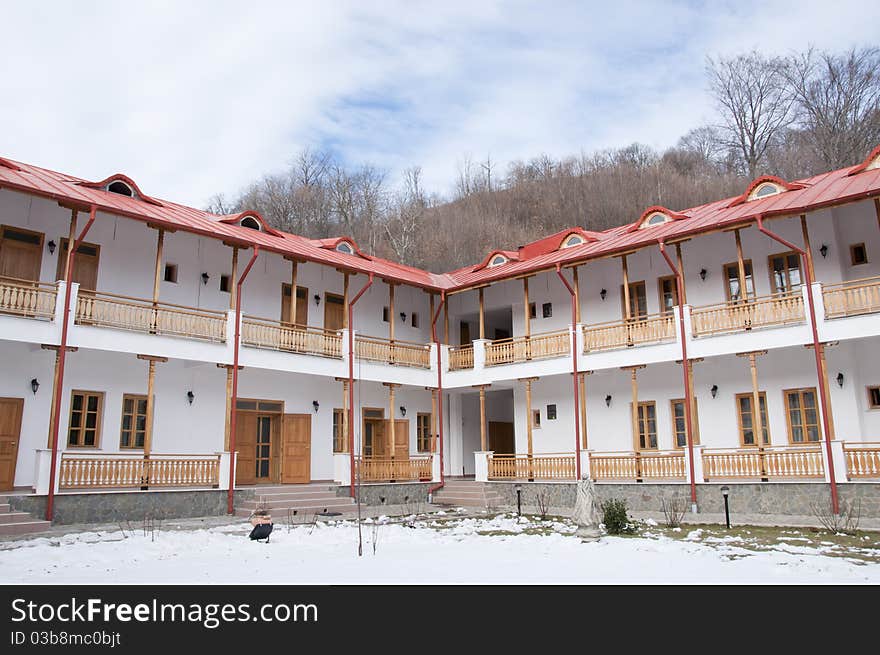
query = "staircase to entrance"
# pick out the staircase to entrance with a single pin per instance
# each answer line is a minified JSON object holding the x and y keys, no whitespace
{"x":306,"y":499}
{"x":466,"y":493}
{"x":14,"y":523}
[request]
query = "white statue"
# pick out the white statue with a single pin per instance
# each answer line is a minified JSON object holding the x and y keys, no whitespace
{"x":586,"y":511}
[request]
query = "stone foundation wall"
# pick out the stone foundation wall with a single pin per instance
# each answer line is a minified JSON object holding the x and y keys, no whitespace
{"x":400,"y":493}
{"x":129,"y":506}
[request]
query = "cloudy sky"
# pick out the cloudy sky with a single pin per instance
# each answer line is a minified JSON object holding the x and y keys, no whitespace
{"x":192,"y":98}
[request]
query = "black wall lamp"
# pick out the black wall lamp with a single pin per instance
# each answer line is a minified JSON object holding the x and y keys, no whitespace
{"x":603,"y":293}
{"x":35,"y":384}
{"x":402,"y":410}
{"x":316,"y":405}
{"x":317,"y":299}
{"x":823,"y":250}
{"x":51,"y":247}
{"x":714,"y":390}
{"x":703,"y":273}
{"x":840,"y":380}
{"x":608,"y":400}
{"x":205,"y":278}
{"x":190,"y":396}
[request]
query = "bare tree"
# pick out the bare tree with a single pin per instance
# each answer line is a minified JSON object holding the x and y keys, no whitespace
{"x":754,"y":101}
{"x":837,"y":97}
{"x":405,"y":222}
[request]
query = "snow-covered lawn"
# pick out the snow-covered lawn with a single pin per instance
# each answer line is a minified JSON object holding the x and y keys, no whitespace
{"x":441,"y":549}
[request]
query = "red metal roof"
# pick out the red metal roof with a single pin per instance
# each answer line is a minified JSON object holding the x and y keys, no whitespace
{"x":825,"y":190}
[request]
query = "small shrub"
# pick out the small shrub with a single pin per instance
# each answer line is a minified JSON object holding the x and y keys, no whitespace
{"x":542,"y":498}
{"x":615,"y":518}
{"x":674,"y":509}
{"x":846,"y":522}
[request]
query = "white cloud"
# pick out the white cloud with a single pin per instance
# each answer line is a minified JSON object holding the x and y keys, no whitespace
{"x":195,"y":98}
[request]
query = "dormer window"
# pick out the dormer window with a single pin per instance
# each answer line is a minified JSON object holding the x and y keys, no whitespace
{"x":498,"y":260}
{"x":346,"y":247}
{"x":573,"y":240}
{"x":657,"y":218}
{"x":251,"y":223}
{"x":120,"y":187}
{"x":765,"y":190}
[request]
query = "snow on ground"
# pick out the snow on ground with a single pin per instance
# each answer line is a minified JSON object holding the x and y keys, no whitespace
{"x":432,"y":549}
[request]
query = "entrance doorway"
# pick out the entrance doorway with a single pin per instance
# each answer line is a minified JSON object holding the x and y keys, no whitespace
{"x":334,"y":310}
{"x":374,"y":433}
{"x":85,"y":265}
{"x":10,"y":431}
{"x":257,"y":432}
{"x":21,"y":252}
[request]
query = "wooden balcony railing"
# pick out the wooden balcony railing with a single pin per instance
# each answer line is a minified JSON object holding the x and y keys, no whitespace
{"x":276,"y":335}
{"x":124,"y":313}
{"x":862,"y":460}
{"x":106,"y":471}
{"x":852,"y":298}
{"x":791,"y":462}
{"x":523,"y":349}
{"x":778,"y":309}
{"x":550,"y":466}
{"x":461,"y":357}
{"x":634,"y":467}
{"x":402,"y":353}
{"x":655,"y":328}
{"x":394,"y":470}
{"x":26,"y":298}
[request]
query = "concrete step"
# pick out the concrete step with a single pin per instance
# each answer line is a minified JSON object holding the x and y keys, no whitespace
{"x":15,"y":517}
{"x":284,"y":505}
{"x":304,"y":514}
{"x":281,"y":488}
{"x":297,"y":495}
{"x":23,"y":527}
{"x":4,"y":508}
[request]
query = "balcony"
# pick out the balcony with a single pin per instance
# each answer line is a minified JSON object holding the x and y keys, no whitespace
{"x":277,"y":335}
{"x":27,"y":299}
{"x":532,"y":467}
{"x":461,"y":357}
{"x":767,"y":311}
{"x":638,"y":466}
{"x":852,"y":298}
{"x":862,"y":460}
{"x":412,"y":469}
{"x":124,"y":313}
{"x":121,"y":471}
{"x":655,"y":328}
{"x":776,"y":462}
{"x":523,"y":349}
{"x":385,"y":351}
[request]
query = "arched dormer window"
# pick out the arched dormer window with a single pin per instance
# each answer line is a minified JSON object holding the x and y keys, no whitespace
{"x":573,"y":240}
{"x":657,"y":218}
{"x":251,"y":223}
{"x":497,"y":260}
{"x":345,"y":247}
{"x":120,"y":187}
{"x":764,"y":190}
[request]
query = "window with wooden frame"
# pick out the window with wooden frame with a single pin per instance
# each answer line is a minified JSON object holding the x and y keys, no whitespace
{"x":731,"y":276}
{"x":874,"y":397}
{"x":647,"y":425}
{"x":84,"y":429}
{"x":785,"y":272}
{"x":170,"y":273}
{"x":536,"y":418}
{"x":802,"y":416}
{"x":21,"y":253}
{"x":385,"y":314}
{"x":224,"y":283}
{"x":668,"y":289}
{"x":423,"y":432}
{"x":134,"y":421}
{"x":533,"y":310}
{"x":547,"y":310}
{"x":858,"y":254}
{"x":340,"y":440}
{"x":679,"y":423}
{"x":638,"y":301}
{"x":746,"y":418}
{"x":414,"y":319}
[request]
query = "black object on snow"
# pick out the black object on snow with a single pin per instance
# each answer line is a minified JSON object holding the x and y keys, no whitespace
{"x":261,"y":531}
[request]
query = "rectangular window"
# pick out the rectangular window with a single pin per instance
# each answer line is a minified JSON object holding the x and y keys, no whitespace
{"x":802,"y":416}
{"x":638,"y":300}
{"x":668,"y":294}
{"x":384,"y":314}
{"x":731,"y":276}
{"x":785,"y":272}
{"x":86,"y":408}
{"x":134,"y":421}
{"x":551,"y":412}
{"x":340,"y":439}
{"x":647,"y":425}
{"x":533,"y":311}
{"x":874,"y":397}
{"x":858,"y":254}
{"x":747,"y":419}
{"x":679,"y":423}
{"x":414,"y":320}
{"x":423,"y":433}
{"x":170,"y":273}
{"x":224,"y":283}
{"x":547,"y":309}
{"x":536,"y":418}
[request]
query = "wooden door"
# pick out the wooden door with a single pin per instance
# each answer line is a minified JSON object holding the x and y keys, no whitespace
{"x":85,"y":265}
{"x":302,"y":305}
{"x":374,"y":438}
{"x":501,"y":439}
{"x":246,"y":445}
{"x":10,"y":430}
{"x":334,"y":310}
{"x":464,"y":333}
{"x":21,"y":252}
{"x":296,"y":448}
{"x":401,"y":439}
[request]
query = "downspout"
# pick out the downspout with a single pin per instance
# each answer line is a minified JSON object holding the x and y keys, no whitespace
{"x":434,"y":318}
{"x":686,"y":372}
{"x":816,"y":351}
{"x":233,"y":410}
{"x":62,"y":356}
{"x":574,"y":373}
{"x":351,"y":382}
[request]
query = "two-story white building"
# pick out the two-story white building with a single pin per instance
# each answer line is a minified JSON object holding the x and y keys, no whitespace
{"x":177,"y":349}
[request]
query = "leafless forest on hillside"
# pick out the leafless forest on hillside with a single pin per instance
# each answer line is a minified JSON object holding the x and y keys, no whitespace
{"x":793,"y":117}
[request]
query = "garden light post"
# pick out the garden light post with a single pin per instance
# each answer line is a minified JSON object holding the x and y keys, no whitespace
{"x":519,"y":500}
{"x":725,"y":490}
